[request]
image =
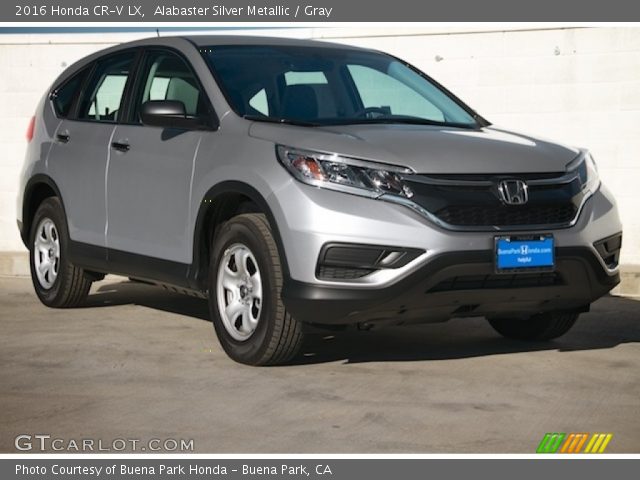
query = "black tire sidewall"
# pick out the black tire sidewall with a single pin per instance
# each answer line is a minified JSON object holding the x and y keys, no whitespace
{"x":539,"y":327}
{"x":50,"y":208}
{"x":252,"y":350}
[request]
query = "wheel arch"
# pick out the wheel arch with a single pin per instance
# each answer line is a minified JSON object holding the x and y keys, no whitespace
{"x":38,"y":188}
{"x":221,"y":202}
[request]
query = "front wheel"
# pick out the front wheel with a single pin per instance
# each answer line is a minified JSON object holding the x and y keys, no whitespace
{"x":543,"y":326}
{"x":245,"y":282}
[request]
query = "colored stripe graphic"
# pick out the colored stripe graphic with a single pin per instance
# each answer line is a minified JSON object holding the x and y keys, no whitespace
{"x":606,"y":441}
{"x":598,"y":443}
{"x":581,"y":442}
{"x":567,"y":442}
{"x":550,"y":442}
{"x":573,"y":443}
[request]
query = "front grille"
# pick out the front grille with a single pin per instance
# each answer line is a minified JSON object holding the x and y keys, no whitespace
{"x":497,"y":281}
{"x":478,"y":215}
{"x":489,"y":177}
{"x":473,"y":201}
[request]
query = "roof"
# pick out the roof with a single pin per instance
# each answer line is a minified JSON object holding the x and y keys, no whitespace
{"x":213,"y":40}
{"x":200,"y":41}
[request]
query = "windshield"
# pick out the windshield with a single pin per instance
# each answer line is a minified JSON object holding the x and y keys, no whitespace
{"x":329,"y":86}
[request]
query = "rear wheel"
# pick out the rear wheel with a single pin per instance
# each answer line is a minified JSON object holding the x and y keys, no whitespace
{"x":57,"y":282}
{"x":245,"y":281}
{"x":543,"y":326}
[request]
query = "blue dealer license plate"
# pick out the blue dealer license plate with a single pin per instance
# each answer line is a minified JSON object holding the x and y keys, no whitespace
{"x":515,"y":254}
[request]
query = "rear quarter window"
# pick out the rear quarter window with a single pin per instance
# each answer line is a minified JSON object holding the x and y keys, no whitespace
{"x":64,"y":96}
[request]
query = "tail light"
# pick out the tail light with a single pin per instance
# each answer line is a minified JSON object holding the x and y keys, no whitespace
{"x":30,"y":128}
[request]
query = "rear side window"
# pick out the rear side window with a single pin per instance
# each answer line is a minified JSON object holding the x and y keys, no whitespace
{"x":166,"y":76}
{"x":304,"y":78}
{"x":260,"y":103}
{"x":301,"y":86}
{"x":63,"y":96}
{"x":102,"y":98}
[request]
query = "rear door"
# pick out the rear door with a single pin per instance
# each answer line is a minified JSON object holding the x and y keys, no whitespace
{"x":78,"y":159}
{"x":150,"y":171}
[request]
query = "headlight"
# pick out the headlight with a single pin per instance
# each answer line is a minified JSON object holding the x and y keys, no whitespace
{"x":350,"y":175}
{"x":587,"y":172}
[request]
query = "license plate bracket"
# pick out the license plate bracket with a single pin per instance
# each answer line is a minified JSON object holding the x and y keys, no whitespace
{"x":524,"y":253}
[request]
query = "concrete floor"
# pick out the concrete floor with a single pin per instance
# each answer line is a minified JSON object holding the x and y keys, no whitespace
{"x":143,"y":363}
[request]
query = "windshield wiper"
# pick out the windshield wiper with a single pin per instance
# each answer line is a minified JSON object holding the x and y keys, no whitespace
{"x":287,"y":121}
{"x":401,"y":120}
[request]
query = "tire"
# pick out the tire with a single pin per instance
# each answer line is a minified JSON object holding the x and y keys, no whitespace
{"x":245,"y":282}
{"x":58,"y":283}
{"x":544,"y":326}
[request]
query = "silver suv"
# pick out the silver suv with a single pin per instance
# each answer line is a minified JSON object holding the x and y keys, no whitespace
{"x":302,"y":185}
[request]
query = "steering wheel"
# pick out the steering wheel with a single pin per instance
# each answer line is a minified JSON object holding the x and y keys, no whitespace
{"x":364,"y":112}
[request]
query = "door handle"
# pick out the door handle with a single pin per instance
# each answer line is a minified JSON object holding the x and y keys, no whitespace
{"x":120,"y":146}
{"x":63,"y":137}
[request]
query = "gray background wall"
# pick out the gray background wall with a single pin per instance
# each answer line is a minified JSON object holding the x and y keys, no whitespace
{"x":579,"y":86}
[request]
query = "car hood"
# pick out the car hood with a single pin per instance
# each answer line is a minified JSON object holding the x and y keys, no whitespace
{"x":427,"y":149}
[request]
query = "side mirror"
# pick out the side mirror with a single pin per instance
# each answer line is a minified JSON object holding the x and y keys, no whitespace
{"x":169,"y":114}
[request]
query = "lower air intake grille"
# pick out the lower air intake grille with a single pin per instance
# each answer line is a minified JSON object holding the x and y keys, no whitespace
{"x":342,"y":273}
{"x":609,"y":249}
{"x":486,"y":282}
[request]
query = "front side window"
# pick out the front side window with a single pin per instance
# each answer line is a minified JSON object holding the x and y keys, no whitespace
{"x":103,"y":96}
{"x":168,"y":77}
{"x":330,"y":86}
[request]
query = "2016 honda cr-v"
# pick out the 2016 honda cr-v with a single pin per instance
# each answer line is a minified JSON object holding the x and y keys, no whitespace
{"x":303,"y":183}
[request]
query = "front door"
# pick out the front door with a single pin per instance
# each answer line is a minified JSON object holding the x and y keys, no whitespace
{"x":151,"y":168}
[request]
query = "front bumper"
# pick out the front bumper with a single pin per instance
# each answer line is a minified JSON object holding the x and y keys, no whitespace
{"x":457,"y":284}
{"x":310,"y":218}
